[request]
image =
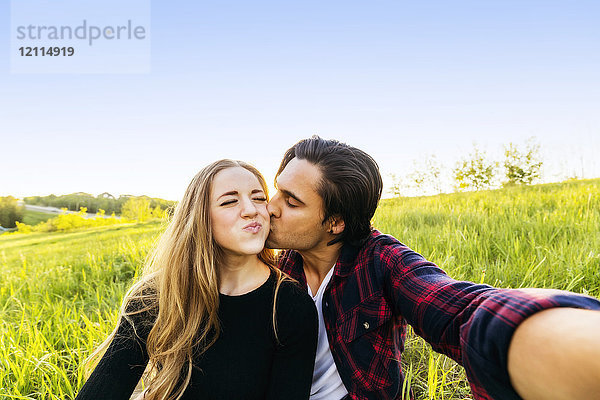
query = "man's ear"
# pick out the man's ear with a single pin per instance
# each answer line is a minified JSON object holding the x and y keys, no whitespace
{"x":336,"y":225}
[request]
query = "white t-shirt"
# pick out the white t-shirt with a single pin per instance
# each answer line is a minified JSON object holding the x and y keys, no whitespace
{"x":326,"y":383}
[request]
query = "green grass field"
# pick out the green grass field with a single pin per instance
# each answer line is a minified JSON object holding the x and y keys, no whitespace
{"x":35,"y":217}
{"x":60,"y":292}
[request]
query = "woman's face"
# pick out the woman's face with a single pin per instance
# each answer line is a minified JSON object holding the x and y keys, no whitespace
{"x":238,"y":211}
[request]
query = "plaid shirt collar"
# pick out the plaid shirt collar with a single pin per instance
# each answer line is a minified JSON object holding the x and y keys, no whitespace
{"x":346,"y":261}
{"x":343,"y":267}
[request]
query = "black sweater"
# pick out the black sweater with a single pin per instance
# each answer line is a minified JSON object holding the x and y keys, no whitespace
{"x":245,"y":362}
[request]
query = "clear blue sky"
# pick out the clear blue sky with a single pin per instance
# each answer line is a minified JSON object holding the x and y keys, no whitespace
{"x":238,"y":79}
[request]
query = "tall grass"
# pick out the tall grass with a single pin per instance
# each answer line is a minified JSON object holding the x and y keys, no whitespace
{"x":539,"y":236}
{"x":542,"y":236}
{"x":60,"y":292}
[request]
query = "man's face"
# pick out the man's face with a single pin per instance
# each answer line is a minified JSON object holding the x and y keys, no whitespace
{"x":297,"y":209}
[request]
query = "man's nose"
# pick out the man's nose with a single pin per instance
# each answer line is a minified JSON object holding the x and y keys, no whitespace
{"x":273,"y":206}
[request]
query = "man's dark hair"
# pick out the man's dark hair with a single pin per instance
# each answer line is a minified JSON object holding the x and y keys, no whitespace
{"x":351,"y":184}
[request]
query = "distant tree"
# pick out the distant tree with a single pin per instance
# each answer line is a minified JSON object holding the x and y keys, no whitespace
{"x":104,"y":201}
{"x":158,"y":212}
{"x":137,"y":208}
{"x":475,"y":173}
{"x":522,"y":167}
{"x":425,"y":178}
{"x":35,"y":200}
{"x":397,"y":186}
{"x":10,"y":212}
{"x":106,"y":195}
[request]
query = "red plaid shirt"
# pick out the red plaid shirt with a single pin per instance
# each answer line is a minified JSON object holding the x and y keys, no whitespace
{"x":378,"y":288}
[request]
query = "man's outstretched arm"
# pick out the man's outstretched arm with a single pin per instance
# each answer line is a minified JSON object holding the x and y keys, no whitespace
{"x":555,"y":354}
{"x":474,"y":324}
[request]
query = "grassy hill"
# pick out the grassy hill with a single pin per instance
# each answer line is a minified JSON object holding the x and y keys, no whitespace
{"x":544,"y":235}
{"x":59,"y":292}
{"x":35,"y":217}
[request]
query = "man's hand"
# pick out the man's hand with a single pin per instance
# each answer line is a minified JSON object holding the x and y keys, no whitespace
{"x":555,"y":354}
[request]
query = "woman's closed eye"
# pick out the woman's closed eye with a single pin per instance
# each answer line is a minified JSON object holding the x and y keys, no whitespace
{"x":260,"y":199}
{"x":228,"y":202}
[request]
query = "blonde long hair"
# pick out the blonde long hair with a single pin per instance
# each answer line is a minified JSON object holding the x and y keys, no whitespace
{"x":180,"y":276}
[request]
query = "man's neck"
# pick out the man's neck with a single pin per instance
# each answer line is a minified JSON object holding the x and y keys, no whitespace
{"x":318,"y":262}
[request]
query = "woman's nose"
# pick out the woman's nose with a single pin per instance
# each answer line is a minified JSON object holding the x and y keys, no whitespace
{"x":249,"y":208}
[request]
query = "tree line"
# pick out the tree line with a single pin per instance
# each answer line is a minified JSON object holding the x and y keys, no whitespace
{"x":521,"y":165}
{"x":105,"y":201}
{"x":139,"y":208}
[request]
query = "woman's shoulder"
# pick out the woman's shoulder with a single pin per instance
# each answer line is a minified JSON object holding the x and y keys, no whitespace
{"x":291,"y":289}
{"x":296,"y":313}
{"x":292,"y":297}
{"x":141,"y":298}
{"x":141,"y":308}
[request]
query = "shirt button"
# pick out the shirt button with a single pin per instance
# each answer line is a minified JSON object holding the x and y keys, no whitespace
{"x":326,"y":304}
{"x":366,"y":325}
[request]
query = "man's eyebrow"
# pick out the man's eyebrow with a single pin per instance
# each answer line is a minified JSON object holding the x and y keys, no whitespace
{"x":292,"y":195}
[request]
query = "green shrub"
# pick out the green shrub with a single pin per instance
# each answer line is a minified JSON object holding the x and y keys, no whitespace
{"x":10,"y":212}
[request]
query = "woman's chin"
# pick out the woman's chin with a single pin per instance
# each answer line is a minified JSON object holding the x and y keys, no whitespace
{"x":248,"y":249}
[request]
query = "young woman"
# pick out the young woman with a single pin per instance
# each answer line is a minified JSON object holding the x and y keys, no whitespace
{"x":211,"y":317}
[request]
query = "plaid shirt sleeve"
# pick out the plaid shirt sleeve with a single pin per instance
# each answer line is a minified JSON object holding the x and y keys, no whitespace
{"x":471,"y":323}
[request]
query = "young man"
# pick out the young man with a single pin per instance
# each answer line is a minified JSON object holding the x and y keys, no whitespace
{"x":534,"y":344}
